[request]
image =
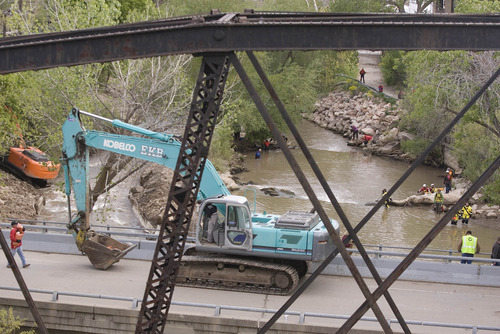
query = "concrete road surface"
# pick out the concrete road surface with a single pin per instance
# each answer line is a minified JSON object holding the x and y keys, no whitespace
{"x":445,"y":303}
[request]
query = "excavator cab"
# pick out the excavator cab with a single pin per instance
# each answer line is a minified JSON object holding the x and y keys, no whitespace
{"x":224,"y":223}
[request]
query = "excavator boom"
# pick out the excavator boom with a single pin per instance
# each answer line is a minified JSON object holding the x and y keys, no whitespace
{"x":159,"y":148}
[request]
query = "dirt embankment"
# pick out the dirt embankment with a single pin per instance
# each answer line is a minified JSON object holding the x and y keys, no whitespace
{"x":19,"y":199}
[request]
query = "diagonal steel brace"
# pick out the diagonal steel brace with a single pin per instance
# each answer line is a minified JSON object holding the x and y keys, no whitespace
{"x":331,"y":196}
{"x":440,"y":225}
{"x":309,"y":191}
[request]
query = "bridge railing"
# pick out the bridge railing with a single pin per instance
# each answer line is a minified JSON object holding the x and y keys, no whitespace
{"x":379,"y":251}
{"x":218,"y":309}
{"x":447,"y":256}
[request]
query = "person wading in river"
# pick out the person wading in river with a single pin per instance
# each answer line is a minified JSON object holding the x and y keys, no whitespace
{"x":438,"y":201}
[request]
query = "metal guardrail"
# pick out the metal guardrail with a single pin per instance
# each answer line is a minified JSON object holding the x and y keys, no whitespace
{"x":47,"y":226}
{"x":144,"y":233}
{"x":219,"y":308}
{"x":445,"y":258}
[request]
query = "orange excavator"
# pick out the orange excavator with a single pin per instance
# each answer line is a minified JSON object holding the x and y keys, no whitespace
{"x":29,"y":163}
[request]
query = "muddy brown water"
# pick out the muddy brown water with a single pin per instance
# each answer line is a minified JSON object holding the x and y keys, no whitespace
{"x":357,"y":179}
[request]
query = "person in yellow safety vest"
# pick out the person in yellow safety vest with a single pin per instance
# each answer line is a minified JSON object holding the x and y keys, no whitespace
{"x":465,"y":213}
{"x":438,"y":201}
{"x":386,"y":203}
{"x":468,"y":246}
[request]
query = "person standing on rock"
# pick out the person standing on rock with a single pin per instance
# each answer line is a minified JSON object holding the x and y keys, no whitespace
{"x":495,"y":252}
{"x":468,"y":246}
{"x":447,"y":180}
{"x":16,"y":235}
{"x":354,"y":132}
{"x":362,"y":75}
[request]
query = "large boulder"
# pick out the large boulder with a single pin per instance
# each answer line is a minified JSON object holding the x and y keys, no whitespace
{"x":149,"y":196}
{"x":368,"y":131}
{"x":451,"y":161}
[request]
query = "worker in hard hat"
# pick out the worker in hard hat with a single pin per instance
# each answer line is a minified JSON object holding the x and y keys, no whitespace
{"x":423,"y":190}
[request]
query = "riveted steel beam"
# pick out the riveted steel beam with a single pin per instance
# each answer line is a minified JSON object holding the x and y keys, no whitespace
{"x":252,"y":31}
{"x":333,"y":200}
{"x":309,"y":191}
{"x":181,"y":200}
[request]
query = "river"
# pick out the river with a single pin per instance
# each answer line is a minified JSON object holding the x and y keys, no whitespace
{"x":356,"y":178}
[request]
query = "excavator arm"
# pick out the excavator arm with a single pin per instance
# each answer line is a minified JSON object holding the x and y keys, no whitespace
{"x":159,"y":148}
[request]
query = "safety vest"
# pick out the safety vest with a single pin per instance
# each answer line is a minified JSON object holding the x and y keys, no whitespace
{"x":466,"y":211}
{"x":469,"y":244}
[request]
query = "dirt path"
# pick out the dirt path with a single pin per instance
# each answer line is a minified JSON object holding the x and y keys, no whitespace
{"x":369,"y":60}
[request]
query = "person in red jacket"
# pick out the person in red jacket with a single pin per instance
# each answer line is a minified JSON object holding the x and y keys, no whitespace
{"x":16,"y":235}
{"x":366,"y":139}
{"x":362,"y":75}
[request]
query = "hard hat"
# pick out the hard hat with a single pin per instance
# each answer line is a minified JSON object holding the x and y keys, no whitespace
{"x":424,"y":185}
{"x":432,"y":184}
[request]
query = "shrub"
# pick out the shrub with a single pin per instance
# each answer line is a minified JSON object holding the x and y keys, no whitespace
{"x":10,"y":324}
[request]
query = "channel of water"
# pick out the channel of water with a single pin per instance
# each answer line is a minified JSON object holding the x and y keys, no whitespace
{"x":357,"y":179}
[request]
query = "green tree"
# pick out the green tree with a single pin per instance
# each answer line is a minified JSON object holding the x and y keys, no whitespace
{"x":477,"y":6}
{"x":10,"y":324}
{"x":392,"y":67}
{"x":440,"y":84}
{"x":359,"y":6}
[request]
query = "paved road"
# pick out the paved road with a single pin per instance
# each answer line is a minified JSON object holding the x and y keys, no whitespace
{"x":373,"y":77}
{"x":328,"y":294}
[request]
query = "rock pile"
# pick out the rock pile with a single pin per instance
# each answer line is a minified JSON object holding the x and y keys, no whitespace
{"x":372,"y":116}
{"x":149,"y":196}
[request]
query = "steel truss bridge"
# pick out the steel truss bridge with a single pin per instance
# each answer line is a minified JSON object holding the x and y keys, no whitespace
{"x":216,"y":37}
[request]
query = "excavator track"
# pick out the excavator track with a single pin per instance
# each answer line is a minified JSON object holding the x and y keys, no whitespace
{"x":233,"y":274}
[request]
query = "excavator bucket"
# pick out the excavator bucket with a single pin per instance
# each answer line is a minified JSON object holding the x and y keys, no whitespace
{"x":103,"y":251}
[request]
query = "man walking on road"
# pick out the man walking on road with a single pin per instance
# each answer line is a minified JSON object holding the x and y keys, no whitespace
{"x":468,"y":246}
{"x":16,"y":235}
{"x":362,"y":75}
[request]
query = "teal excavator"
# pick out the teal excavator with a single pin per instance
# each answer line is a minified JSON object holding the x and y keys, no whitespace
{"x":234,"y":249}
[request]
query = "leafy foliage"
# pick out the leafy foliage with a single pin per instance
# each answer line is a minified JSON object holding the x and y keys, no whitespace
{"x":477,"y":6}
{"x":392,"y":67}
{"x":359,"y":6}
{"x":10,"y":324}
{"x":417,"y":146}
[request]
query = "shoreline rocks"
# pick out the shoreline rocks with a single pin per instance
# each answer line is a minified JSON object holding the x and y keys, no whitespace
{"x":371,"y":115}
